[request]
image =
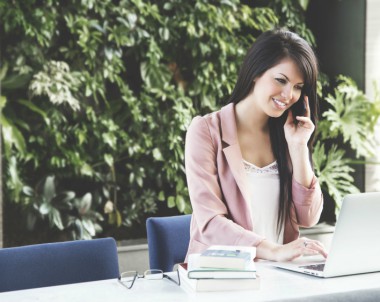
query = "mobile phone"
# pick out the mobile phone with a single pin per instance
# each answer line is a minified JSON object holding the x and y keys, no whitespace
{"x":299,"y":109}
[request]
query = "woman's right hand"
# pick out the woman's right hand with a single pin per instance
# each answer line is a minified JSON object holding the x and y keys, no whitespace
{"x":290,"y":251}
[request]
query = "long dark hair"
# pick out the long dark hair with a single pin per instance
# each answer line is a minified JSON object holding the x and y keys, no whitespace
{"x":267,"y":51}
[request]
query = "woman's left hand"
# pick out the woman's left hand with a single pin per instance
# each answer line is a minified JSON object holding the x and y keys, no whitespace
{"x":298,"y":134}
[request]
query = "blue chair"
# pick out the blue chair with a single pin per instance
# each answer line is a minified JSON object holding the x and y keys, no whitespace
{"x":58,"y":263}
{"x":168,"y":241}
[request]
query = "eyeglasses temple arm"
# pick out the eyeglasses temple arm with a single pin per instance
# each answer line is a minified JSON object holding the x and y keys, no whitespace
{"x":171,"y":279}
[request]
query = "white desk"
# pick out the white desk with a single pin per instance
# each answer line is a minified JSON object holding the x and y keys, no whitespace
{"x":276,"y":284}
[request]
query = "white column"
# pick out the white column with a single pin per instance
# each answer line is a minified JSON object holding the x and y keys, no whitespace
{"x":372,"y":73}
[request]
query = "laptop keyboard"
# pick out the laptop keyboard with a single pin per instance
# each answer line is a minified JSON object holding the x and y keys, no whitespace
{"x":315,"y":267}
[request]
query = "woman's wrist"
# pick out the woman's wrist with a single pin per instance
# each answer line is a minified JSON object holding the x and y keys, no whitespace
{"x":302,"y":169}
{"x":267,"y":250}
{"x":298,"y":151}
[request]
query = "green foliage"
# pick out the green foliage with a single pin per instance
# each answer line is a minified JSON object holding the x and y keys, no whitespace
{"x":56,"y":82}
{"x":292,"y":16}
{"x":333,"y":172}
{"x":99,"y":95}
{"x":351,"y":119}
{"x":63,"y":210}
{"x":353,"y":116}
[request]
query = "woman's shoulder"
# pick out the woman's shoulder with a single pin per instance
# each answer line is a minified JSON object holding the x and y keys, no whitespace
{"x":206,"y":127}
{"x":212,"y":119}
{"x":209,"y":128}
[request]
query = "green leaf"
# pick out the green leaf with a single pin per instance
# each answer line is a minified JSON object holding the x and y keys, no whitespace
{"x":139,"y":181}
{"x":181,"y":204}
{"x":86,"y":169}
{"x":12,"y":136}
{"x":31,"y":220}
{"x":3,"y":102}
{"x":164,"y":33}
{"x":89,"y":227}
{"x":49,"y":188}
{"x":79,"y":229}
{"x":108,"y":158}
{"x":14,"y":182}
{"x":157,"y":155}
{"x":161,"y":196}
{"x":84,"y":203}
{"x":118,"y":218}
{"x":28,"y":191}
{"x":45,"y":208}
{"x":36,"y":109}
{"x":57,"y":219}
{"x":304,"y":4}
{"x":171,"y":202}
{"x":110,"y":139}
{"x":17,"y":81}
{"x":168,"y":6}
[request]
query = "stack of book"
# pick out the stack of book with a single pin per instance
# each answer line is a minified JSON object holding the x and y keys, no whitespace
{"x":220,"y":268}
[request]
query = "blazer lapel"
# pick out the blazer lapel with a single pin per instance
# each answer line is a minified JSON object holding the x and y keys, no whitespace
{"x":233,"y":153}
{"x":234,"y":159}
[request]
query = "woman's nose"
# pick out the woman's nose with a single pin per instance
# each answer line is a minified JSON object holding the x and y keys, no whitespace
{"x":287,"y":93}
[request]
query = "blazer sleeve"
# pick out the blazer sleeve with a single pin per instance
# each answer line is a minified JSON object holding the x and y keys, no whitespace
{"x":209,"y":209}
{"x":308,"y":202}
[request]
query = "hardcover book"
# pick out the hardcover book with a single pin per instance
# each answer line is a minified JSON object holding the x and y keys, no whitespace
{"x":209,"y":285}
{"x":195,"y":271}
{"x":229,"y":257}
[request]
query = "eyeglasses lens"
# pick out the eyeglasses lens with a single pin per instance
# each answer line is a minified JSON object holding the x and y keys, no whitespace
{"x":128,"y":278}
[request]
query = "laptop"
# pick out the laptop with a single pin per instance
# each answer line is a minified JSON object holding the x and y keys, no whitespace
{"x":355,"y":246}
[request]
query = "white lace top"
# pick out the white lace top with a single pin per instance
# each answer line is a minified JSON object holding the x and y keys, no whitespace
{"x":264,"y":185}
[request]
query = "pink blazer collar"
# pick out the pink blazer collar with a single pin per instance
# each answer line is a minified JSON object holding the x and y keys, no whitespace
{"x":228,"y":124}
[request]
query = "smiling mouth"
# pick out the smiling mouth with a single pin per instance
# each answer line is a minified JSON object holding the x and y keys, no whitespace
{"x":281,"y":104}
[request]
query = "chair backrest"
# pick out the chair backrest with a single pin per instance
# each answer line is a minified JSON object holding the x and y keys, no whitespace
{"x":58,"y":263}
{"x":168,"y":241}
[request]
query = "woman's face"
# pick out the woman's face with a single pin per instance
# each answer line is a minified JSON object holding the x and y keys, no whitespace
{"x":278,"y":88}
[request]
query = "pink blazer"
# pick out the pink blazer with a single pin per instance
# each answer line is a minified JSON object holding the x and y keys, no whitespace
{"x":218,"y":190}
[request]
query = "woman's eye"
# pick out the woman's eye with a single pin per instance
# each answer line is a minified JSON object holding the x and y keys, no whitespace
{"x":298,"y":87}
{"x":282,"y":81}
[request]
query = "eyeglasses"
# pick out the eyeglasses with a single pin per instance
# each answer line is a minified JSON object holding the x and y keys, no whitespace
{"x":127,"y":279}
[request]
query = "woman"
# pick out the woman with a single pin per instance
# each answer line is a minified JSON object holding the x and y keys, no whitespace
{"x":248,"y":166}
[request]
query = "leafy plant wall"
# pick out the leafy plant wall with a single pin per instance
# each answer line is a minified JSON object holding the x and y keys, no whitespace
{"x":96,"y":98}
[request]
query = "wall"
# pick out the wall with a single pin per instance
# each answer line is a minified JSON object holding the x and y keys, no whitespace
{"x":372,"y":67}
{"x":133,"y":255}
{"x":339,"y":28}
